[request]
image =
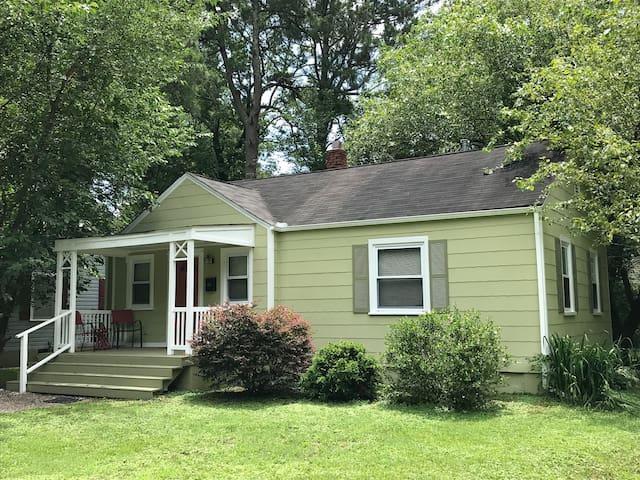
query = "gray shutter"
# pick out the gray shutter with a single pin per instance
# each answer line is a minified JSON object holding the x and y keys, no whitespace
{"x":603,"y":270}
{"x":575,"y":277}
{"x":559,"y":283}
{"x":439,"y":273}
{"x":589,"y":280}
{"x":360,"y":269}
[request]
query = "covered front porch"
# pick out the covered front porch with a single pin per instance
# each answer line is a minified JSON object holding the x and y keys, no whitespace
{"x":166,"y":280}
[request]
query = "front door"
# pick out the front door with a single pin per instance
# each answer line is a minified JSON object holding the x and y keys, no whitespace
{"x":181,"y":283}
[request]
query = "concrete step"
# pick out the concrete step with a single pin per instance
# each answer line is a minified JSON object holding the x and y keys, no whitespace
{"x":111,"y":368}
{"x":89,"y":390}
{"x":160,"y":383}
{"x":126,"y":357}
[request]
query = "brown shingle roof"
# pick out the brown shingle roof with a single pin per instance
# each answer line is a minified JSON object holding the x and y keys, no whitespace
{"x":420,"y":186}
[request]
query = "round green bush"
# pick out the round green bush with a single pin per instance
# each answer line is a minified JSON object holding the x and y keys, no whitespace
{"x":262,"y":352}
{"x":342,"y":371}
{"x":449,"y":358}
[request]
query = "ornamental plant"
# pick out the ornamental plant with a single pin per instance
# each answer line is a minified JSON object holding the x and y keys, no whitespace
{"x":451,"y":358}
{"x":342,"y":371}
{"x":261,"y":352}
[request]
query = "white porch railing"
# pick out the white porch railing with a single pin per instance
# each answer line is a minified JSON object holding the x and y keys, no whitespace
{"x":63,"y":339}
{"x":92,"y":321}
{"x":183,"y":330}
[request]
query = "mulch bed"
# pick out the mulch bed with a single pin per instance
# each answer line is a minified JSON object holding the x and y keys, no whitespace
{"x":15,"y":402}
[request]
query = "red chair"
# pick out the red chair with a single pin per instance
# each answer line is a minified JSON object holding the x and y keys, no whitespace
{"x":99,"y":335}
{"x":123,"y":322}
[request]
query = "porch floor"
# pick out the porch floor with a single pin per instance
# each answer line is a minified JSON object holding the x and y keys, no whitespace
{"x":122,"y":373}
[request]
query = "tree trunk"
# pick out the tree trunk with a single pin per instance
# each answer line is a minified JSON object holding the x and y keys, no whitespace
{"x":251,"y":142}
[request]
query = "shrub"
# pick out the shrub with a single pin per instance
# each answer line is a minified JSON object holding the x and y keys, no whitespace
{"x":260,"y":352}
{"x":451,"y":358}
{"x":342,"y":371}
{"x":585,"y":373}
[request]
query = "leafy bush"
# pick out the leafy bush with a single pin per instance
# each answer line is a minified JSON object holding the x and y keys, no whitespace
{"x":450,"y":358}
{"x":585,"y":373}
{"x":342,"y":371}
{"x":261,"y":352}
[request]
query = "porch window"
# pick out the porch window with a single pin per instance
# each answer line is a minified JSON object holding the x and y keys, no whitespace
{"x":398,"y":276}
{"x":237,"y":275}
{"x":567,"y":276}
{"x":595,"y":283}
{"x":140,"y":282}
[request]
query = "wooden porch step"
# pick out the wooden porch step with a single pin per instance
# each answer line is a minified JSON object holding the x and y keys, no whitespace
{"x":102,"y":379}
{"x":93,"y":390}
{"x":127,"y":357}
{"x":111,"y":368}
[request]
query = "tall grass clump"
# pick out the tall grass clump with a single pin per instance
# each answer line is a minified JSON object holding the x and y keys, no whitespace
{"x":586,"y":373}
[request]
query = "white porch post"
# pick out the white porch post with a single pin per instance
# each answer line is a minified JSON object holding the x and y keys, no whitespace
{"x":271,"y":268}
{"x":73,"y":289}
{"x":190,"y":292}
{"x":58,"y":299}
{"x":171,"y":296}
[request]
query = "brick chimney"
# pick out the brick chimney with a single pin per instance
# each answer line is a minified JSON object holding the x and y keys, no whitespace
{"x":335,"y":156}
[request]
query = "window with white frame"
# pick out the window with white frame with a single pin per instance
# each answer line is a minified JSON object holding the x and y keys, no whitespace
{"x":595,"y":283}
{"x":567,"y":276}
{"x":140,"y":282}
{"x":237,"y":275}
{"x":398,"y":276}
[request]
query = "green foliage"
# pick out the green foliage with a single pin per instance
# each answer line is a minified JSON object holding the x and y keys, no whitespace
{"x":450,"y":358}
{"x":263,"y":352}
{"x":451,"y":77}
{"x":82,"y":117}
{"x":342,"y":371}
{"x":585,"y":373}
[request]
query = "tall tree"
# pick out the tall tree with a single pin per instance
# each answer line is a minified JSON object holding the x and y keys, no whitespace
{"x":82,"y":117}
{"x":253,"y":49}
{"x":339,"y":41}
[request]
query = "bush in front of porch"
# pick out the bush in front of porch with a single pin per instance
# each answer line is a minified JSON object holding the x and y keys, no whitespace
{"x":261,"y":352}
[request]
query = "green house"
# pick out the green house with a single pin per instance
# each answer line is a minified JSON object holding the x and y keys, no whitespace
{"x":351,"y":249}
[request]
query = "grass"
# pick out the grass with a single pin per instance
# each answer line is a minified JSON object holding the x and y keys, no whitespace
{"x":7,"y":374}
{"x":208,"y":436}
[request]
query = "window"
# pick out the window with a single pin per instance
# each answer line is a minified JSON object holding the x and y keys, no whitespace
{"x":595,"y":283}
{"x":398,"y":276}
{"x":236,"y":275}
{"x":140,"y":282}
{"x":567,"y":276}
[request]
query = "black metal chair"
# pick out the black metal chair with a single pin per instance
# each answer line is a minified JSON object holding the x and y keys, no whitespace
{"x":123,"y":323}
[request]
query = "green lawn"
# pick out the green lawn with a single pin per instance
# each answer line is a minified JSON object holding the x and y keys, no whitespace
{"x":198,"y":436}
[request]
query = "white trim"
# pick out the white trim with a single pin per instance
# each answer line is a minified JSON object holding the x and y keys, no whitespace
{"x":225,"y":253}
{"x":195,"y":180}
{"x":543,"y":312}
{"x":271,"y":268}
{"x":131,"y":260}
{"x":283,"y":227}
{"x":240,"y":235}
{"x":399,"y":242}
{"x":595,"y":275}
{"x":565,"y":242}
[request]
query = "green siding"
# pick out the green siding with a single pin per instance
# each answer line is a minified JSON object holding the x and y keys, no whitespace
{"x":492,"y":267}
{"x":597,"y":326}
{"x":189,"y":205}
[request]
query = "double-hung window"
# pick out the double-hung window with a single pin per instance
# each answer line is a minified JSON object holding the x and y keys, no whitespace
{"x":237,"y":275}
{"x":596,"y":307}
{"x":568,"y":290}
{"x":140,"y":282}
{"x":398,"y":276}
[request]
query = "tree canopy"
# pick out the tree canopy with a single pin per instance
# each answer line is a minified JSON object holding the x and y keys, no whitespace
{"x":82,"y":117}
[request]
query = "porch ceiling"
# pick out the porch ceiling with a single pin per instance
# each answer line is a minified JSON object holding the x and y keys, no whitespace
{"x":240,"y":235}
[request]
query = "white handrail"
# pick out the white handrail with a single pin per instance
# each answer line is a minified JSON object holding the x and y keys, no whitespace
{"x":43,"y":324}
{"x":63,"y":341}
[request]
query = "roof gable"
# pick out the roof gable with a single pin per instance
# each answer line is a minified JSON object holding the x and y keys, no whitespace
{"x":189,"y":202}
